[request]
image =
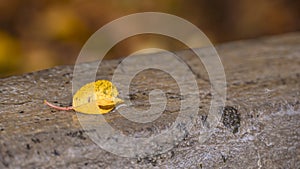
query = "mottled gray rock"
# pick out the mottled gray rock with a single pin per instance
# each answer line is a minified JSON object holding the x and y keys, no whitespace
{"x":263,"y":85}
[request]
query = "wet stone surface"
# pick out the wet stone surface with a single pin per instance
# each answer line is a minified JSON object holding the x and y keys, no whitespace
{"x":259,"y":127}
{"x":231,"y":118}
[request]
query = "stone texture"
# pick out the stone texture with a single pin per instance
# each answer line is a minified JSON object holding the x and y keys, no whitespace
{"x":263,"y":84}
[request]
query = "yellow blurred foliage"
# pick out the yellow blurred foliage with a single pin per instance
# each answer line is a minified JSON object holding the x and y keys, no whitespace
{"x":36,"y":35}
{"x":61,"y":23}
{"x":10,"y":55}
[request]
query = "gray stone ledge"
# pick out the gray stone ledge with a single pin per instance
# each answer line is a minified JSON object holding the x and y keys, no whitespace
{"x":263,"y":80}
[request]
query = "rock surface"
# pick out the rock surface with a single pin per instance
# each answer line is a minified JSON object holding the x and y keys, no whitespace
{"x":260,"y":128}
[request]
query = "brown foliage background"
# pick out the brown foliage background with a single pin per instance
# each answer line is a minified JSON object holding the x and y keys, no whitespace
{"x":40,"y":34}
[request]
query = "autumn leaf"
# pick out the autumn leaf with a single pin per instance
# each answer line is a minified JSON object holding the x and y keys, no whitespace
{"x":98,"y":97}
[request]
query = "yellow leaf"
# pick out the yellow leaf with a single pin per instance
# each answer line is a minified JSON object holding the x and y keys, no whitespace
{"x":98,"y":97}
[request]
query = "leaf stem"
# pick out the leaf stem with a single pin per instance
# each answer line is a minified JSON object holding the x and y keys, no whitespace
{"x":57,"y":107}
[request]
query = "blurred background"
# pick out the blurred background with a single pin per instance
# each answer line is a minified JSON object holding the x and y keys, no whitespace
{"x":36,"y":35}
